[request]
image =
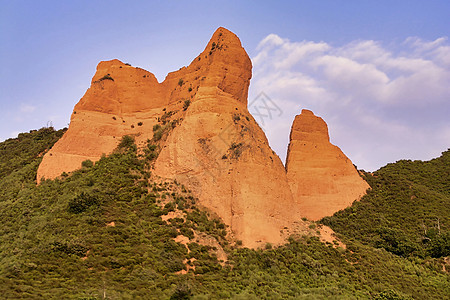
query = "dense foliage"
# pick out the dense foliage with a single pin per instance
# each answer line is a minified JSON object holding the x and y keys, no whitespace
{"x":23,"y":150}
{"x":406,"y":212}
{"x":98,"y":233}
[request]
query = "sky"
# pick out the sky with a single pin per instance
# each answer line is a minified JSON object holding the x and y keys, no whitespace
{"x":378,"y":72}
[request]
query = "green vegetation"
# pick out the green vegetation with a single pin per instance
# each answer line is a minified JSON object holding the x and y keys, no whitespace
{"x":236,"y":150}
{"x":87,"y":163}
{"x":26,"y":149}
{"x":406,"y":212}
{"x":215,"y":46}
{"x":186,"y":104}
{"x":106,"y":77}
{"x":151,"y":151}
{"x":157,"y":134}
{"x":60,"y":239}
{"x":160,"y":131}
{"x":166,"y":116}
{"x":126,"y":143}
{"x":156,"y":127}
{"x":180,"y":82}
{"x":98,"y":233}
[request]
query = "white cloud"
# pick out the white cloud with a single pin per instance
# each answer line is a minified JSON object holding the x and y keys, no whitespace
{"x":382,"y":103}
{"x":14,"y":134}
{"x":27,"y":108}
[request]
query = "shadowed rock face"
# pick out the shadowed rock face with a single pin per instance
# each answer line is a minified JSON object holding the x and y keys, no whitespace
{"x":213,"y":145}
{"x":322,"y":179}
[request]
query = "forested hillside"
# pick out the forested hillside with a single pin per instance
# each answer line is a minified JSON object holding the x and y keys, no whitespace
{"x":407,"y":211}
{"x":112,"y":230}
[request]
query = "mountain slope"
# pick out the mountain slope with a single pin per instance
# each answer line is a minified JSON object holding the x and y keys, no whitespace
{"x":113,"y":230}
{"x":407,"y":210}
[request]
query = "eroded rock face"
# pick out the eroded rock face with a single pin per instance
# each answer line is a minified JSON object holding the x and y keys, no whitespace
{"x":322,"y":179}
{"x":220,"y":152}
{"x":216,"y":148}
{"x":124,"y":100}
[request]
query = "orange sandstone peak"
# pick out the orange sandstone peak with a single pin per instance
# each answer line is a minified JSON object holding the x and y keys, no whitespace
{"x":215,"y":148}
{"x":322,"y":179}
{"x":121,"y":97}
{"x":308,"y":127}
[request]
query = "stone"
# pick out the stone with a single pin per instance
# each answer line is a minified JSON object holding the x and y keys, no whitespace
{"x":322,"y":179}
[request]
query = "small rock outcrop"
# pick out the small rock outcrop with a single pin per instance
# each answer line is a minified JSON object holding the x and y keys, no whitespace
{"x":322,"y":179}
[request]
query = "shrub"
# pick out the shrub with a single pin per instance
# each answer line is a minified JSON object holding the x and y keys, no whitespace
{"x":182,"y":292}
{"x":82,"y":202}
{"x":166,"y":116}
{"x":87,"y":164}
{"x":152,"y":156}
{"x":126,"y":143}
{"x":180,"y":82}
{"x":157,"y":135}
{"x":106,"y":77}
{"x":186,"y":104}
{"x":169,"y":206}
{"x":236,"y":150}
{"x":389,"y":295}
{"x":156,"y":127}
{"x":187,"y":232}
{"x":75,"y":249}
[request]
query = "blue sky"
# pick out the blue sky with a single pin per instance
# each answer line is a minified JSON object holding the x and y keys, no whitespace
{"x":378,"y":72}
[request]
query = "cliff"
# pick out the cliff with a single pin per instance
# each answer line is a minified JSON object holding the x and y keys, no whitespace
{"x":322,"y":179}
{"x":211,"y":144}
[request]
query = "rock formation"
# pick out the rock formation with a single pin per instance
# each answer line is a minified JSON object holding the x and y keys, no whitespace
{"x":215,"y":148}
{"x":221,"y":153}
{"x":124,"y":100}
{"x":208,"y":140}
{"x":322,"y":179}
